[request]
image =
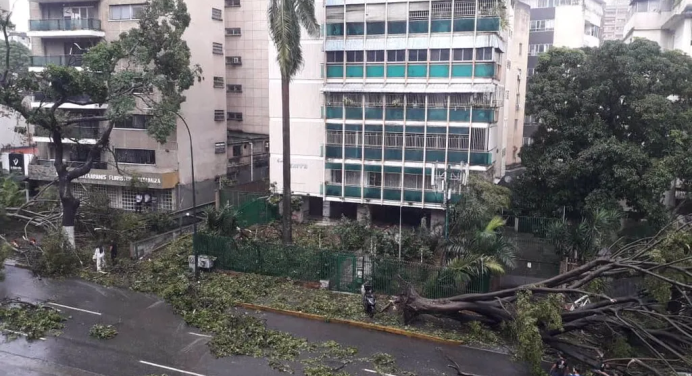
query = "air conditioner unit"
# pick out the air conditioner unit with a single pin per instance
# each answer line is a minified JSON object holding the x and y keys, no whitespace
{"x":234,"y":60}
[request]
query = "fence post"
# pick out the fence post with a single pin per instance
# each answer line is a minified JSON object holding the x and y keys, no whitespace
{"x":516,"y":224}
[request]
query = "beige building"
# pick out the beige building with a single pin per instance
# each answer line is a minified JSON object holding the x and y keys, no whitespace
{"x":515,"y":85}
{"x":614,"y":19}
{"x":216,"y":111}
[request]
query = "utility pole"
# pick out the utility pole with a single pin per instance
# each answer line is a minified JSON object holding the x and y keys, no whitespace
{"x":447,"y":194}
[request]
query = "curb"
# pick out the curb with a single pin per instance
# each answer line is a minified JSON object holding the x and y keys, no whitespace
{"x":16,"y":264}
{"x":363,"y":325}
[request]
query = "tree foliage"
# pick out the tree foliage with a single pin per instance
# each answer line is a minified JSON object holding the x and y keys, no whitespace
{"x":583,"y":240}
{"x":146,"y":67}
{"x":19,"y":57}
{"x":639,"y":319}
{"x":614,"y":126}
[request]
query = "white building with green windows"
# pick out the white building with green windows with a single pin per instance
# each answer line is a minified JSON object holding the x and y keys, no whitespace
{"x":405,"y":90}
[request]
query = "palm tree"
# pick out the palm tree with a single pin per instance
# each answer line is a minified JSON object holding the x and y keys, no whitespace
{"x":285,"y":20}
{"x":586,"y":239}
{"x":486,"y":251}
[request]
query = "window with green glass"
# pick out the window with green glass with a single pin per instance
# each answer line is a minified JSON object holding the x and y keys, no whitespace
{"x":418,"y":27}
{"x":441,"y":26}
{"x":463,"y":24}
{"x":417,"y":70}
{"x":355,"y":28}
{"x":374,"y":71}
{"x":394,"y":71}
{"x":396,"y":27}
{"x":334,"y":29}
{"x":375,"y":28}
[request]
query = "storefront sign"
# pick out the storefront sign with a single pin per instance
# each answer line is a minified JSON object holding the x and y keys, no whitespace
{"x":294,"y":166}
{"x":17,"y":164}
{"x":121,"y":178}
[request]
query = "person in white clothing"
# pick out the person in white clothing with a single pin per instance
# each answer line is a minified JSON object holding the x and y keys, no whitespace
{"x":100,"y":258}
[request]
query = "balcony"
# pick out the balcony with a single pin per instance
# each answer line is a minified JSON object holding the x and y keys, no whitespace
{"x":38,"y":63}
{"x":82,"y":132}
{"x":62,"y":28}
{"x":41,"y":100}
{"x":70,"y":164}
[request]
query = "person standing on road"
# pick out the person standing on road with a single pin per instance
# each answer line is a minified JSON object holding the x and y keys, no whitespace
{"x":100,"y":258}
{"x":114,"y":251}
{"x":559,"y":368}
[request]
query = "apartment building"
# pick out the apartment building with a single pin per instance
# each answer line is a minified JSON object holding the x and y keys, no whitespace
{"x":62,"y":32}
{"x":614,"y":19}
{"x":392,"y":96}
{"x":247,"y":86}
{"x":517,"y":66}
{"x":661,"y":21}
{"x":561,"y":23}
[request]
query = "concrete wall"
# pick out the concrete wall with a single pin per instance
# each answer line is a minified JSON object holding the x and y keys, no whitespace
{"x":8,"y":137}
{"x":252,"y":47}
{"x":307,"y":125}
{"x":516,"y":82}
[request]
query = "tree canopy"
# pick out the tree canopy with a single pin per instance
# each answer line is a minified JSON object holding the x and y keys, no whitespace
{"x":614,"y":126}
{"x":19,"y":58}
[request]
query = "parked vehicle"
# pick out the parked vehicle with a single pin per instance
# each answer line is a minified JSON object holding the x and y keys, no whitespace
{"x":368,"y":300}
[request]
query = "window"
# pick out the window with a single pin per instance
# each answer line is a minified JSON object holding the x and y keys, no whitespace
{"x":233,"y":60}
{"x":335,"y":57}
{"x":354,"y":56}
{"x":392,"y":180}
{"x":521,"y":48}
{"x":415,"y":141}
{"x":232,"y":3}
{"x":436,"y":141}
{"x":542,"y":25}
{"x":233,"y":31}
{"x":463,"y":54}
{"x":396,"y":55}
{"x":218,"y":82}
{"x":219,"y":148}
{"x":417,"y":55}
{"x":237,"y":116}
{"x":531,"y":71}
{"x":375,"y":28}
{"x":355,"y":28}
{"x":484,"y":54}
{"x":439,"y":55}
{"x":516,"y":124}
{"x":526,"y":141}
{"x":535,"y":49}
{"x":134,"y":122}
{"x":126,"y":12}
{"x":219,"y":115}
{"x":217,"y":48}
{"x":352,"y":178}
{"x":334,"y":137}
{"x":216,"y":14}
{"x":413,"y":181}
{"x":237,"y":151}
{"x":396,"y":27}
{"x":335,"y":176}
{"x":135,"y":156}
{"x":232,"y":88}
{"x":352,"y":138}
{"x":374,"y":179}
{"x":393,"y":140}
{"x":372,"y":139}
{"x":375,"y":56}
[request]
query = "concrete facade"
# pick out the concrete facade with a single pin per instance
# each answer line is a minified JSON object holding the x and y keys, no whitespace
{"x":381,"y":83}
{"x":517,"y":73}
{"x":614,"y":19}
{"x":663,"y":22}
{"x":54,"y":43}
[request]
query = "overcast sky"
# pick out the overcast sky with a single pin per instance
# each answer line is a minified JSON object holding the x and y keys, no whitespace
{"x":20,"y":14}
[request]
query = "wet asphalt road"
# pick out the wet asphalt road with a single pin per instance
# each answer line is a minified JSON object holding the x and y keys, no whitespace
{"x":153,"y":340}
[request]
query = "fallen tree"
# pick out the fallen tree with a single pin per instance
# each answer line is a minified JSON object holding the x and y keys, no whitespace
{"x":645,"y":332}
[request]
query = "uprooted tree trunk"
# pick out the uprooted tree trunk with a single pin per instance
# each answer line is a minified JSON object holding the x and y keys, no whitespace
{"x":662,"y":339}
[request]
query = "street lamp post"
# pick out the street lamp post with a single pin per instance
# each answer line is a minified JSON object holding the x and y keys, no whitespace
{"x":194,"y":196}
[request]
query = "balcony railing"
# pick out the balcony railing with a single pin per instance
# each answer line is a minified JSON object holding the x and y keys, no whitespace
{"x":64,"y":25}
{"x":89,"y":130}
{"x":70,"y":164}
{"x":65,"y":60}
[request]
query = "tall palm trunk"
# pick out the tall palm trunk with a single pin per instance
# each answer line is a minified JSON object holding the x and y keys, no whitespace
{"x":286,"y":134}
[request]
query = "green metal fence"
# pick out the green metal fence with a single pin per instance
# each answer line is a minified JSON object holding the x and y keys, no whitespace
{"x":252,"y":208}
{"x":345,"y":272}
